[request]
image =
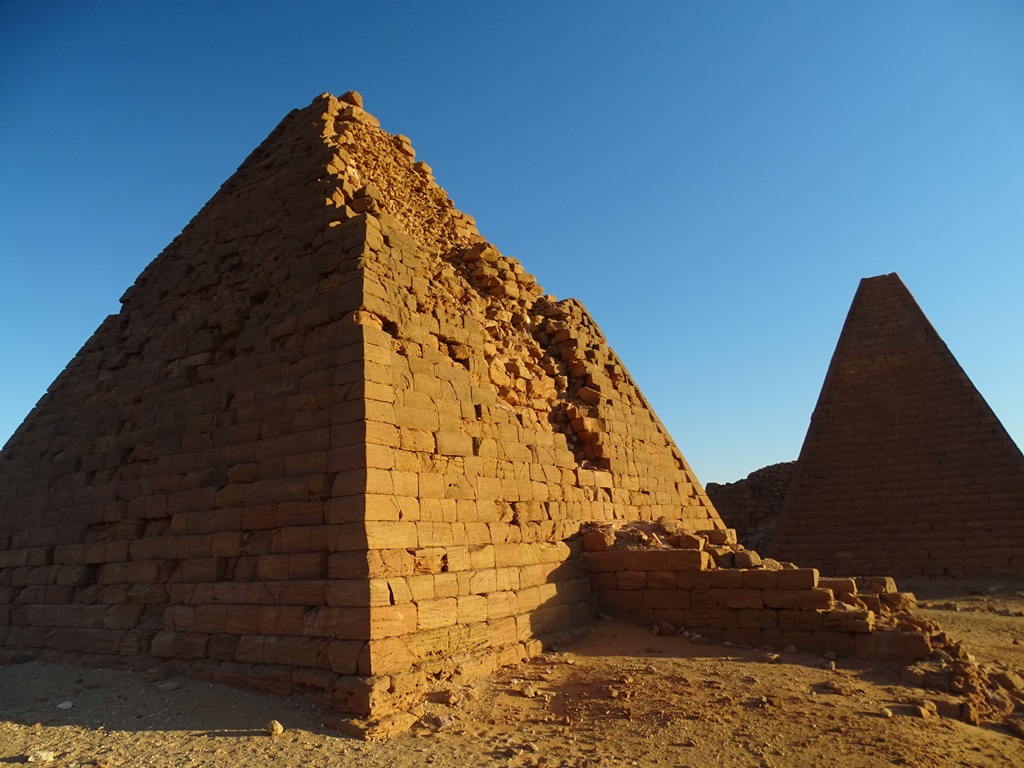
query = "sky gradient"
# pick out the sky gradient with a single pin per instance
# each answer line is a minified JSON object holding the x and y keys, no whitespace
{"x":710,"y":179}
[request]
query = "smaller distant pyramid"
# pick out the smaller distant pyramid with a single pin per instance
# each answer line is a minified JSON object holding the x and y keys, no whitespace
{"x":905,"y":469}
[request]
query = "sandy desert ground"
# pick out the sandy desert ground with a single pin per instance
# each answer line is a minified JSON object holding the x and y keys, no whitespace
{"x":621,"y":696}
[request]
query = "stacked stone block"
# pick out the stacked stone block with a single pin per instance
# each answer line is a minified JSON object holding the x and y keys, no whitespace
{"x":905,"y":469}
{"x":333,"y":441}
{"x":694,"y":585}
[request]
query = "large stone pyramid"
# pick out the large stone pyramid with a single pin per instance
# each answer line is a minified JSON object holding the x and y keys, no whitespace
{"x":905,"y":469}
{"x":333,"y":440}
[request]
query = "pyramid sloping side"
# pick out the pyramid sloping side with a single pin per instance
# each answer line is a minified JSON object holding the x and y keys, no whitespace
{"x":166,"y":496}
{"x":332,"y":435}
{"x":904,"y":469}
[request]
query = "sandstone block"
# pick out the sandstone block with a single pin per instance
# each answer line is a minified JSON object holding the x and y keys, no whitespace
{"x":799,"y":599}
{"x":726,"y":579}
{"x":283,"y":619}
{"x":798,"y":578}
{"x":685,"y":560}
{"x":662,"y":580}
{"x":472,"y":609}
{"x":348,"y":592}
{"x":645,"y":559}
{"x":800,"y":620}
{"x":727,"y":598}
{"x":388,"y":534}
{"x":757,"y":619}
{"x":433,"y":614}
{"x":665,"y":599}
{"x":392,"y":620}
{"x":502,"y":631}
{"x":610,"y":560}
{"x":839,"y":642}
{"x":631,"y":580}
{"x":848,"y":621}
{"x":386,"y":656}
{"x":451,"y":444}
{"x":890,"y":644}
{"x":760,"y":579}
{"x":898,"y":602}
{"x":502,"y":604}
{"x":876,"y":584}
{"x":839,"y":586}
{"x":721,"y":537}
{"x":747,"y":559}
{"x":693,"y":579}
{"x":598,"y":540}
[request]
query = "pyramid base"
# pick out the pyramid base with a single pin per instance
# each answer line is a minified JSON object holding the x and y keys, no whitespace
{"x":373,"y":706}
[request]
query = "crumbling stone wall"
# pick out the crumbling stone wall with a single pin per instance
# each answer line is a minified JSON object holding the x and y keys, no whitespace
{"x":333,"y":441}
{"x":711,"y":587}
{"x":905,"y":469}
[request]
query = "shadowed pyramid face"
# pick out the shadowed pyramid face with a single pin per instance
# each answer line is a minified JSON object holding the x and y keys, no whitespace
{"x":905,"y":469}
{"x":333,"y":434}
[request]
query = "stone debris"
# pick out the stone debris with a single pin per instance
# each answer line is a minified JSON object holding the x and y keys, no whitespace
{"x":527,"y":690}
{"x":452,"y":697}
{"x":274,"y":728}
{"x":66,"y":705}
{"x":372,"y":729}
{"x":979,"y":692}
{"x":435,"y":722}
{"x":42,"y":756}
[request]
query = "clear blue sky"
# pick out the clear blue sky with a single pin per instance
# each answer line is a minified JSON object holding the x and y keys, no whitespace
{"x":711,"y":179}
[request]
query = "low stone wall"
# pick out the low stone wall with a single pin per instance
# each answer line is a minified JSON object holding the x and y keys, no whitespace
{"x":760,"y":604}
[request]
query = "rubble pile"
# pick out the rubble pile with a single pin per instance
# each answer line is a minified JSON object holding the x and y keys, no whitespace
{"x":978,"y":693}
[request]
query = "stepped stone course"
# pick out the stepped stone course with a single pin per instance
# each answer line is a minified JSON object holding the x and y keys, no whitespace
{"x":905,"y":469}
{"x":334,"y":441}
{"x":710,"y":586}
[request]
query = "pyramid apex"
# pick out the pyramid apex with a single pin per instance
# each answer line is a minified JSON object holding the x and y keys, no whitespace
{"x":883,"y":277}
{"x":349,"y":98}
{"x":352,"y":97}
